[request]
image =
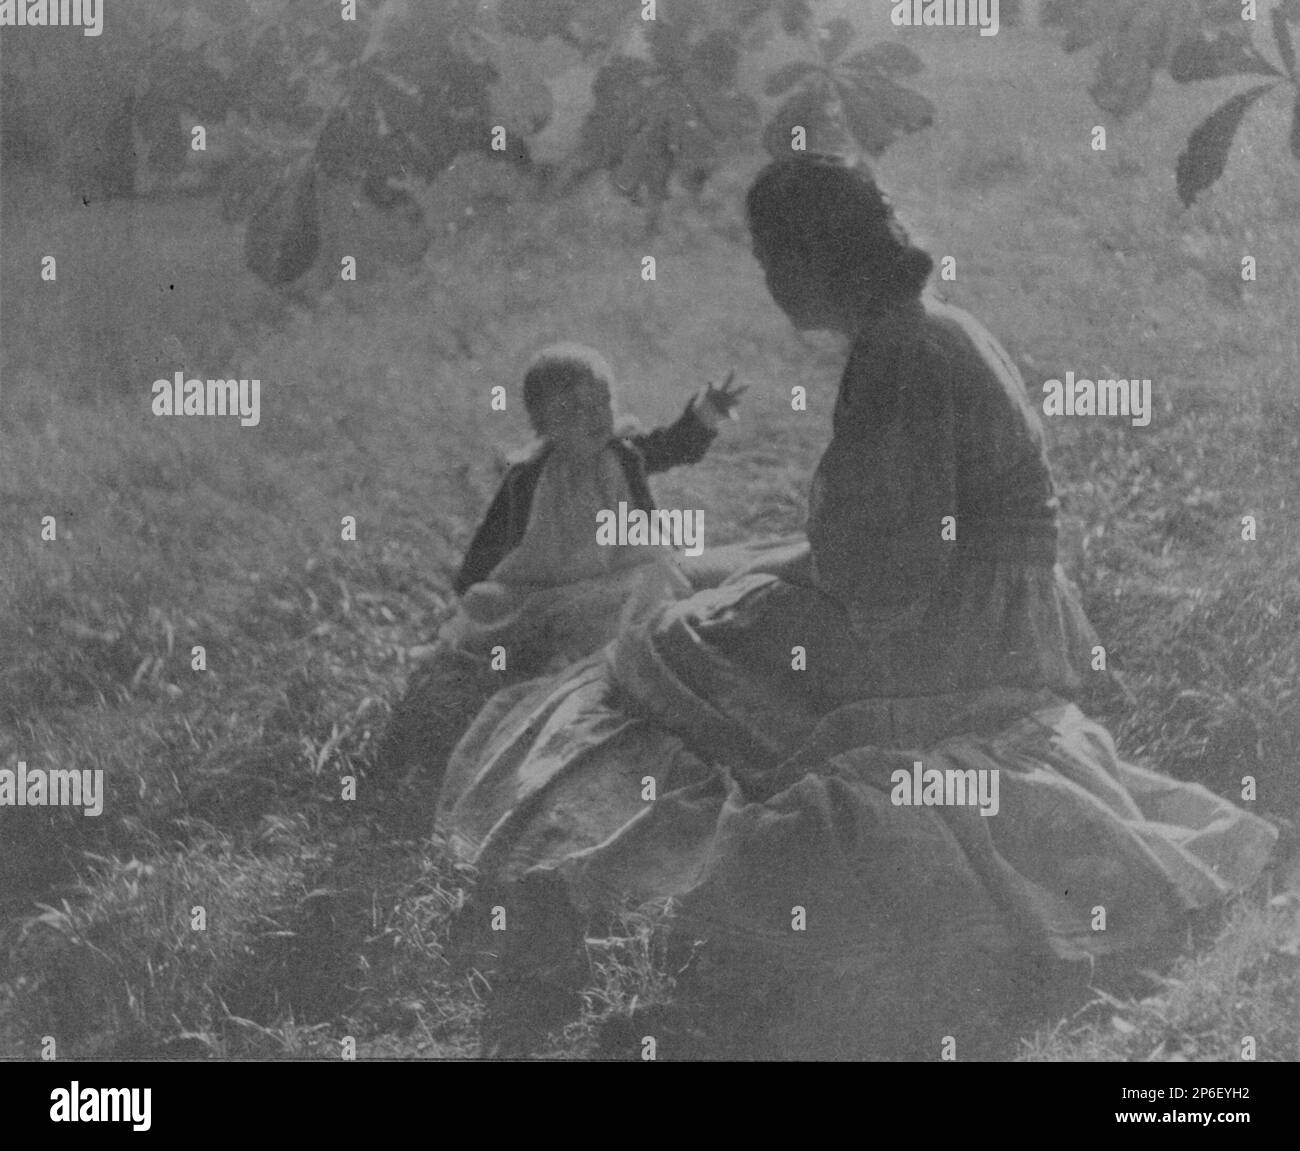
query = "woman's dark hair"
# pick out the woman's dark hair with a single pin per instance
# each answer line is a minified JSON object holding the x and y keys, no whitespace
{"x":817,"y":208}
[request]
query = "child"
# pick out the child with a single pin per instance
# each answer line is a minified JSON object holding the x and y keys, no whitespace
{"x":536,"y":589}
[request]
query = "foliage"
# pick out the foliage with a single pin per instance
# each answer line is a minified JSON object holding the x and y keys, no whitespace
{"x":858,"y":94}
{"x":665,"y":96}
{"x":653,"y":118}
{"x":1192,"y":40}
{"x":283,"y":238}
{"x":395,"y":96}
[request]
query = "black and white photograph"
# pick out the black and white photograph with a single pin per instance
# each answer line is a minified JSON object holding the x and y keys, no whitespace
{"x":653,"y":531}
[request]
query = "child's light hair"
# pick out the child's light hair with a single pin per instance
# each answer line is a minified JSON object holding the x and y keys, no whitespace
{"x":571,"y":352}
{"x":552,"y":371}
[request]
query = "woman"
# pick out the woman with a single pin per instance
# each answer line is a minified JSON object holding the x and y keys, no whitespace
{"x":747,"y":753}
{"x":933,"y":518}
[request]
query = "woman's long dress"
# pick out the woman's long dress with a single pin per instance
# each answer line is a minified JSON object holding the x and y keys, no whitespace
{"x":736,"y":756}
{"x":933,"y":528}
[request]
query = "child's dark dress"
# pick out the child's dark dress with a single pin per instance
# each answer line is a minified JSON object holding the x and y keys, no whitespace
{"x":683,"y":442}
{"x":536,"y":592}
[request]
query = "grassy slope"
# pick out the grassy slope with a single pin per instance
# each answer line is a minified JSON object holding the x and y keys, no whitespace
{"x":325,"y":918}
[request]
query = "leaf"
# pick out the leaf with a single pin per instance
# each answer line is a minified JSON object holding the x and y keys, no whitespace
{"x":746,"y":12}
{"x":758,"y":37}
{"x":655,"y":118}
{"x":1139,"y":36}
{"x":1206,"y":155}
{"x":1144,"y":39}
{"x":519,"y":99}
{"x":807,"y":108}
{"x":386,"y":26}
{"x":160,"y":124}
{"x":1123,"y":81}
{"x":694,"y":151}
{"x":1085,"y":21}
{"x":536,"y":19}
{"x":734,"y":115}
{"x":1200,"y":58}
{"x":647,"y":164}
{"x":620,"y":93}
{"x":888,"y":58}
{"x":247,"y":186}
{"x":879,"y":111}
{"x":868,"y":123}
{"x":342,"y":145}
{"x":1282,"y":34}
{"x":1194,"y":59}
{"x":796,"y":16}
{"x":598,"y":23}
{"x":834,"y":38}
{"x":390,"y":157}
{"x":197,"y":30}
{"x":397,"y":99}
{"x":714,"y":60}
{"x":672,"y":135}
{"x":1172,"y":23}
{"x":787,"y":76}
{"x":283,"y":237}
{"x":186,"y":81}
{"x":669,"y":45}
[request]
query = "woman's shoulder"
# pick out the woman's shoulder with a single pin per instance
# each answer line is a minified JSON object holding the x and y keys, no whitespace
{"x":975,"y":356}
{"x":993,"y":390}
{"x":954,"y":331}
{"x":963,"y":338}
{"x":936,"y":357}
{"x":926,"y":335}
{"x":915,"y":358}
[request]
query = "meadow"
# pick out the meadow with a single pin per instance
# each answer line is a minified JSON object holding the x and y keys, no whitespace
{"x":328,"y":917}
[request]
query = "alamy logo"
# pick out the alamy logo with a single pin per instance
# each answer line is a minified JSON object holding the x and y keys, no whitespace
{"x":1083,"y":397}
{"x":182,"y":397}
{"x":54,"y":788}
{"x":947,"y":14}
{"x":102,"y":1105}
{"x":929,"y":787}
{"x":638,"y":528}
{"x":88,"y":15}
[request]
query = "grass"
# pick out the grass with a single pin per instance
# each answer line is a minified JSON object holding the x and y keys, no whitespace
{"x":327,"y":918}
{"x":1231,"y":1001}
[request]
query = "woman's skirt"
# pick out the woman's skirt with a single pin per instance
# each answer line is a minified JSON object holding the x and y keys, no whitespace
{"x":876,"y":872}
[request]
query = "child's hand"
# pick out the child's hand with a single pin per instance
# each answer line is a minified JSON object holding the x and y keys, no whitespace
{"x":714,"y":402}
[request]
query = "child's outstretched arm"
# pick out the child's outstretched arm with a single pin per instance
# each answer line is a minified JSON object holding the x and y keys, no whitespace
{"x":713,"y":403}
{"x":687,"y":439}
